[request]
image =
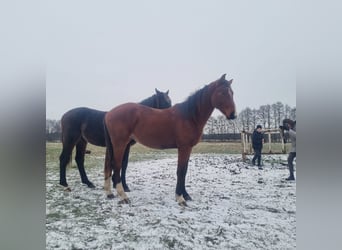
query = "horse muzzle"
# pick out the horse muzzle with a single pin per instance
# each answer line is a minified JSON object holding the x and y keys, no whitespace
{"x":232,"y":116}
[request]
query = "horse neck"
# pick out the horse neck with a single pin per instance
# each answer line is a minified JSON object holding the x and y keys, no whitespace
{"x":150,"y":102}
{"x":204,"y":108}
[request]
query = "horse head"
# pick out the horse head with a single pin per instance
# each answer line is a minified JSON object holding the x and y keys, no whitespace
{"x":162,"y":99}
{"x":222,"y":97}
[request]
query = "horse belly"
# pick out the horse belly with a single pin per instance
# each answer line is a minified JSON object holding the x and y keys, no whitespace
{"x":156,"y":141}
{"x":94,"y":135}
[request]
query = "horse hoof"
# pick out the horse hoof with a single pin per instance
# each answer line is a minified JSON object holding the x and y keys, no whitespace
{"x":181,"y":201}
{"x":66,"y":189}
{"x":91,"y":185}
{"x":187,"y":197}
{"x":126,"y":189}
{"x":110,"y":196}
{"x":124,"y":201}
{"x":182,"y":204}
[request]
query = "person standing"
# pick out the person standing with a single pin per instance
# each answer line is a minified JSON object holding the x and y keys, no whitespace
{"x":291,"y":127}
{"x":257,"y":142}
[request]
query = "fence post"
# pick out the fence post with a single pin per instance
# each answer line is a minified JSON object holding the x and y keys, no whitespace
{"x":269,"y":143}
{"x":243,"y":146}
{"x":250,"y":146}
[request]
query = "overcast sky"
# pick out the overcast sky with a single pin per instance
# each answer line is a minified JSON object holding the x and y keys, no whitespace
{"x":103,"y":54}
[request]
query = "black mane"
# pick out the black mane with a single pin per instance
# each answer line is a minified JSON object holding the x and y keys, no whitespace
{"x":150,"y":101}
{"x":189,"y":108}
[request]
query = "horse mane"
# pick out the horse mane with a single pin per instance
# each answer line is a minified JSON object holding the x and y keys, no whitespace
{"x":150,"y":101}
{"x":189,"y":108}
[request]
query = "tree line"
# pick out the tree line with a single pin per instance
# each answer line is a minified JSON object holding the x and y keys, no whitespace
{"x":268,"y":116}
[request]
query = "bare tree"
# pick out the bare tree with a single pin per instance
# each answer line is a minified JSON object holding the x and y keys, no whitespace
{"x":254,"y":118}
{"x":274,"y":115}
{"x":287,"y":111}
{"x":223,"y":124}
{"x":280,"y":113}
{"x":242,"y":120}
{"x":209,"y":127}
{"x":262,"y":113}
{"x":233,"y":125}
{"x":267,"y":115}
{"x":293,"y":113}
{"x":53,"y":126}
{"x":249,"y":118}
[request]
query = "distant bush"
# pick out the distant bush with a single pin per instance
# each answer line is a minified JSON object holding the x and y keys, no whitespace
{"x":54,"y":136}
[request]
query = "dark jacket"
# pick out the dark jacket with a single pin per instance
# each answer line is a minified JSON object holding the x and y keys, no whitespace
{"x":257,"y":139}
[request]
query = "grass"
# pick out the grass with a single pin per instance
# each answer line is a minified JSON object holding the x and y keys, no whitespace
{"x":54,"y":148}
{"x":140,"y":153}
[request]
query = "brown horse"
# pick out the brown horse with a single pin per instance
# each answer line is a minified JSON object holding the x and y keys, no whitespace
{"x":178,"y":127}
{"x":83,"y":125}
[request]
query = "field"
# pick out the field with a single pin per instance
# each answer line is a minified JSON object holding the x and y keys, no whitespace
{"x":235,"y":205}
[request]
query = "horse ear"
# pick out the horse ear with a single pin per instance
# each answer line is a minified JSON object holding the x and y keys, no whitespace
{"x":167,"y":92}
{"x":230,"y":81}
{"x":157,"y":91}
{"x":223,"y":77}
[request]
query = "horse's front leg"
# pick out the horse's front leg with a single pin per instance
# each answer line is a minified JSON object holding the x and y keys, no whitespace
{"x":80,"y":152}
{"x":183,"y":159}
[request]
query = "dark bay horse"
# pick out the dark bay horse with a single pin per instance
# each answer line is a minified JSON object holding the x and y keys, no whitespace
{"x":83,"y":125}
{"x":178,"y":127}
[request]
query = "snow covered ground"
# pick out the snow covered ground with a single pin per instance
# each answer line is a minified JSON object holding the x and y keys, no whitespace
{"x":233,"y":207}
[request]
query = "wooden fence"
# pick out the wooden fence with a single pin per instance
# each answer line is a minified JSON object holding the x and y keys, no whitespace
{"x":270,"y":135}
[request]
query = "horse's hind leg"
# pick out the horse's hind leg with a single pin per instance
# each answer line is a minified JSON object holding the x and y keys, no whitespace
{"x":80,"y":152}
{"x":64,"y":159}
{"x":123,"y":170}
{"x":113,"y":160}
{"x":119,"y":151}
{"x":70,"y":136}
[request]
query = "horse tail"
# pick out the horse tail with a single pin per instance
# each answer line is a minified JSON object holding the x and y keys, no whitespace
{"x":109,"y":144}
{"x":62,"y":129}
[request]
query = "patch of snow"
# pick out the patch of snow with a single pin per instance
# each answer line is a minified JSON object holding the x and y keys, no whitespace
{"x":234,"y":205}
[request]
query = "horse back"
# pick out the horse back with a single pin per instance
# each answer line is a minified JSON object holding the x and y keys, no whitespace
{"x":84,"y":122}
{"x":151,"y":127}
